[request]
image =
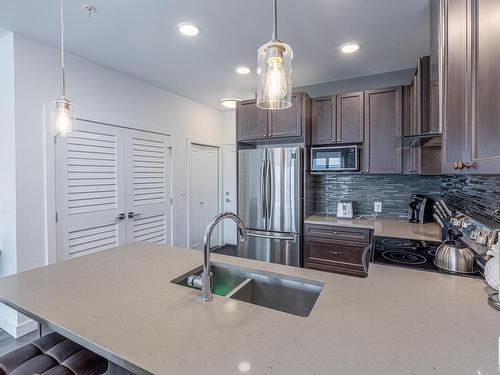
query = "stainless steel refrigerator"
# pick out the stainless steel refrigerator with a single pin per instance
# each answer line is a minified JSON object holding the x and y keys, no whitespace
{"x":269,"y":203}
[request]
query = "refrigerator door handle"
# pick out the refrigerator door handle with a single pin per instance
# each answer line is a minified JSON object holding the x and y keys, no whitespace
{"x":269,"y":190}
{"x":263,"y":188}
{"x":286,"y":237}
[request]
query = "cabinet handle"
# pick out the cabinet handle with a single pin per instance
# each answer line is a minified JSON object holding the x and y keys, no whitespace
{"x":270,"y":135}
{"x":335,"y":252}
{"x":339,"y":140}
{"x":132,"y":215}
{"x":333,"y":140}
{"x":120,"y":217}
{"x":459,"y":165}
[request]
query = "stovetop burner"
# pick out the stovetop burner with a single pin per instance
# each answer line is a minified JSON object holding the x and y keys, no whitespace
{"x":403,"y":252}
{"x":399,"y":242}
{"x":404,"y":257}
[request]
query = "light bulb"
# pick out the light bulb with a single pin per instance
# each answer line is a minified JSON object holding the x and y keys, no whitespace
{"x":275,"y":87}
{"x":64,"y":123}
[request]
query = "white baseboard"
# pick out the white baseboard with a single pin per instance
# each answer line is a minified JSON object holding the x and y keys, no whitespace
{"x":11,"y":325}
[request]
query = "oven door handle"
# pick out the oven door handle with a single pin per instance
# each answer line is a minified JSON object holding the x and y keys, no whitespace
{"x":365,"y":258}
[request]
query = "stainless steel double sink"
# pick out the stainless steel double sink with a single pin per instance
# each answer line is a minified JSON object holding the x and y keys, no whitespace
{"x":284,"y":293}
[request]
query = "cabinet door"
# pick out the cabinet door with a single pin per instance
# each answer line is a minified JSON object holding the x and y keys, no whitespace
{"x":350,"y":118}
{"x":251,"y":121}
{"x":324,"y":119}
{"x":454,"y":111}
{"x":147,"y":186}
{"x":287,"y":122}
{"x":383,"y":129}
{"x":335,"y":256}
{"x":485,"y":120}
{"x":90,"y":204}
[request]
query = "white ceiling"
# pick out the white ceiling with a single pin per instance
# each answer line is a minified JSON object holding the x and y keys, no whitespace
{"x":139,"y":38}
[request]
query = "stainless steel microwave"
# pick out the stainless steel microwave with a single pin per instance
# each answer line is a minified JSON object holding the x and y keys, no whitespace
{"x":335,"y":159}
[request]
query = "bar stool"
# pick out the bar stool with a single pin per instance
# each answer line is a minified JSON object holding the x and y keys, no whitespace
{"x":52,"y":354}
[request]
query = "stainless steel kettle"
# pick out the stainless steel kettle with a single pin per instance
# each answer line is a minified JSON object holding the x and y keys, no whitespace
{"x":455,"y":256}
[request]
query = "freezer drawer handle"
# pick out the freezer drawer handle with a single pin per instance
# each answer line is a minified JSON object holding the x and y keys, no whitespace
{"x":270,"y":236}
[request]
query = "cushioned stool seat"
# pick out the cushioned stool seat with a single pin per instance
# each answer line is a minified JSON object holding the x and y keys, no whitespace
{"x":52,"y":354}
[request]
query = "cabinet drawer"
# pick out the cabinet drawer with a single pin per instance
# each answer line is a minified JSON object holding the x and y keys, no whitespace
{"x":322,"y":250}
{"x":338,"y":233}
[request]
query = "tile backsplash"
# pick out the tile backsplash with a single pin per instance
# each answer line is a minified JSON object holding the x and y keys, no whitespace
{"x":393,"y":191}
{"x":476,"y":196}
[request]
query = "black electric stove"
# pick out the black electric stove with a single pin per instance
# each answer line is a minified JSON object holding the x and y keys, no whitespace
{"x":402,"y":252}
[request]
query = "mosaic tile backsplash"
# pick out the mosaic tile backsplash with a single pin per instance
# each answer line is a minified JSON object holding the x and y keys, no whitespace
{"x":393,"y":191}
{"x":477,"y":196}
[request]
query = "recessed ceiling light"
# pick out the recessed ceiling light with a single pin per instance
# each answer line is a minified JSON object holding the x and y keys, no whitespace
{"x":188,"y":29}
{"x":229,"y":102}
{"x":243,"y":70}
{"x":350,"y":47}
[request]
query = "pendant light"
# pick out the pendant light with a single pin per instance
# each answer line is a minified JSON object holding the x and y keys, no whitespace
{"x":274,"y":68}
{"x":64,"y":121}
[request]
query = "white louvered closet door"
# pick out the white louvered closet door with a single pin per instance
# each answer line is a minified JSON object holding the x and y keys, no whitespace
{"x":90,"y":180}
{"x":147,"y":161}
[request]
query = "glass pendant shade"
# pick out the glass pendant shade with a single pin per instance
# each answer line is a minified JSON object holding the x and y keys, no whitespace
{"x":63,"y":117}
{"x":274,"y":68}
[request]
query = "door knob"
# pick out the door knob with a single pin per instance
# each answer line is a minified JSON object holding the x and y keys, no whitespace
{"x":132,"y":215}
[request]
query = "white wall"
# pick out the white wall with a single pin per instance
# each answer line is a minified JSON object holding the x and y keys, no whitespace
{"x":8,"y":263}
{"x":29,"y":76}
{"x":102,"y":93}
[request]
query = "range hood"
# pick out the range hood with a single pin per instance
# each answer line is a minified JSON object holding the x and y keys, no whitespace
{"x":424,"y":139}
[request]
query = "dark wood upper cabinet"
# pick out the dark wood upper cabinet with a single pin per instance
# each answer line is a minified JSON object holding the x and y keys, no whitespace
{"x":338,"y":119}
{"x":350,"y":118}
{"x":255,"y":125}
{"x":324,"y":120}
{"x":287,"y":123}
{"x":455,"y":81}
{"x":251,"y":121}
{"x":484,"y":125}
{"x":471,"y":87}
{"x":383,"y":131}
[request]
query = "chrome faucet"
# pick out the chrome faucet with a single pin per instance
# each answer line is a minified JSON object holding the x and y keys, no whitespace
{"x":206,"y":276}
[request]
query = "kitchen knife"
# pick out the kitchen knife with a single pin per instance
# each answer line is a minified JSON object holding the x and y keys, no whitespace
{"x":438,"y":219}
{"x":439,"y":211}
{"x":443,"y":205}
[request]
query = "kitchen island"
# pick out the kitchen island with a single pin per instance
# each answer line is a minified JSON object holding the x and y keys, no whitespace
{"x":122,"y":304}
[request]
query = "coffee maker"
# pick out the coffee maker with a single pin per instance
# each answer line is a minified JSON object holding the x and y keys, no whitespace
{"x":420,"y":209}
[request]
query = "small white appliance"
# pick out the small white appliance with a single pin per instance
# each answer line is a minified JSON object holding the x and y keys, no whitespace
{"x":344,"y":210}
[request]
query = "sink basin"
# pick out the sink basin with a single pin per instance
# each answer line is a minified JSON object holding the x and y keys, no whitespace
{"x":225,"y":278}
{"x":284,"y":293}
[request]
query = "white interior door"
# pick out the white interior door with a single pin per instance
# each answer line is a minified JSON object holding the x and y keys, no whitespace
{"x":229,"y":178}
{"x":90,"y":196}
{"x":147,"y":161}
{"x":203,"y":193}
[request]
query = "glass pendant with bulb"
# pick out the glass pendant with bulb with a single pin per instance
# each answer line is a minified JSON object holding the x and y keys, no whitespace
{"x":62,"y":114}
{"x":274,"y":69}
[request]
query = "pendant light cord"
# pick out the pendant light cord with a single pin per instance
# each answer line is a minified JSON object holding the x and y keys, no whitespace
{"x":275,"y":20}
{"x":63,"y":75}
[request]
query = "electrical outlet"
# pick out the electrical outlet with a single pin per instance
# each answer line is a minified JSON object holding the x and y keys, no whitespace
{"x":377,"y":207}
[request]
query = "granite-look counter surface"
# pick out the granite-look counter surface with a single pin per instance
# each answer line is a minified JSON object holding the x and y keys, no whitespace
{"x":121,"y":303}
{"x":384,"y":227}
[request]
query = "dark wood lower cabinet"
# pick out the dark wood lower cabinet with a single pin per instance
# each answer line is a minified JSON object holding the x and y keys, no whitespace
{"x":328,"y":253}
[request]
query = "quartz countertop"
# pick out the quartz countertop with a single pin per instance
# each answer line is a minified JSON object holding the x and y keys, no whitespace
{"x":121,"y":304}
{"x":383,"y":227}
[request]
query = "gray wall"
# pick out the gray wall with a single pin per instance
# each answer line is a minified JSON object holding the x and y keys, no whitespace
{"x":376,"y":81}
